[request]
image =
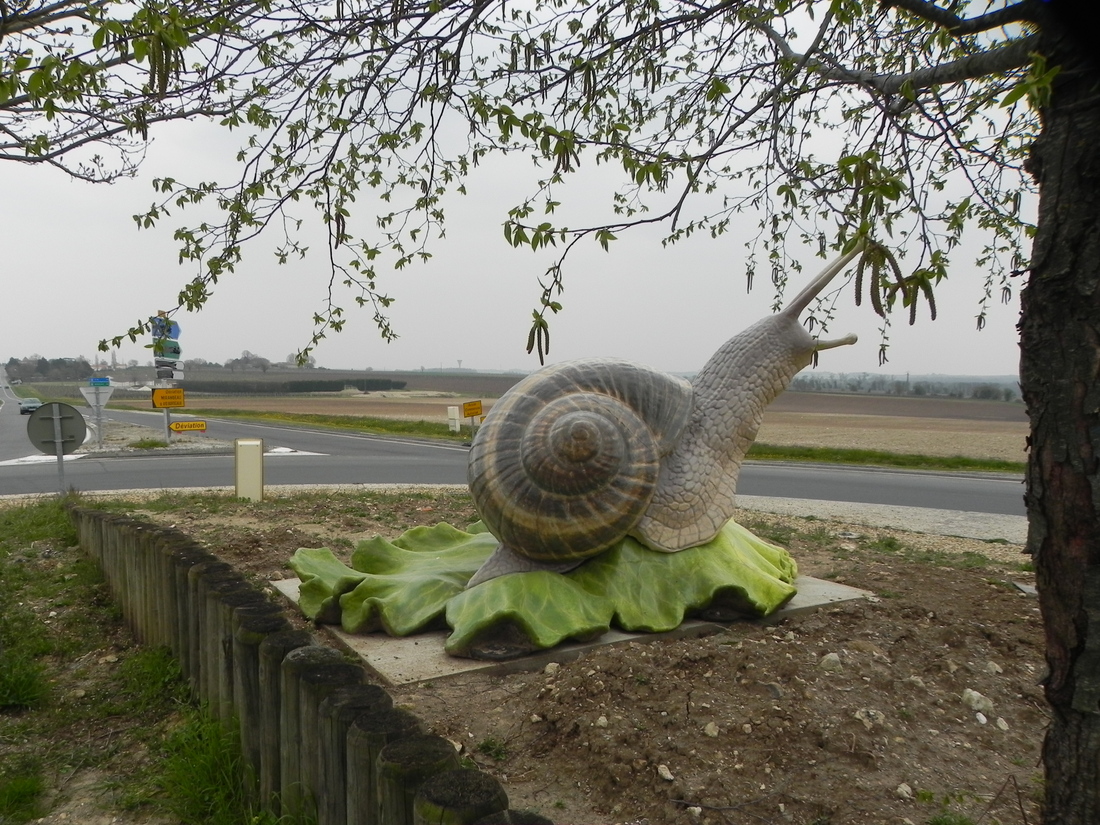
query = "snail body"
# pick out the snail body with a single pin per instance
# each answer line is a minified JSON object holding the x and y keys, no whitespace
{"x":581,"y":454}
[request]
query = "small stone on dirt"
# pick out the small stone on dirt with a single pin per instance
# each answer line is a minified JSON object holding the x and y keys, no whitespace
{"x":831,"y":662}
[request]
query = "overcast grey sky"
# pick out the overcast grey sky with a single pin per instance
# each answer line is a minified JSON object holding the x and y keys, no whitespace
{"x":77,"y":270}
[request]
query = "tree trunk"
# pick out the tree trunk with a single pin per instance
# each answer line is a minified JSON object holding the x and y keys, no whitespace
{"x":1060,"y":378}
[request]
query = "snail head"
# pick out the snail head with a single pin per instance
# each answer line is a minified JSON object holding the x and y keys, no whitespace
{"x":812,"y":290}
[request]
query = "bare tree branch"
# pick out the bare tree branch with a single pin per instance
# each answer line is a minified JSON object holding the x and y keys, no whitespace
{"x":1013,"y":55}
{"x":994,"y":61}
{"x":1018,"y":12}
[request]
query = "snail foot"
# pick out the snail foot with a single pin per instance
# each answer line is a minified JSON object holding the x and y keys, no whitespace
{"x":505,"y":560}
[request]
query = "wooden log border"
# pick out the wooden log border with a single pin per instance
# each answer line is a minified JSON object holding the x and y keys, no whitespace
{"x":232,"y":643}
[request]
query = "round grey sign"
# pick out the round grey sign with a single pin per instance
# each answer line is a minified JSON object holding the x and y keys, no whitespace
{"x":53,"y":423}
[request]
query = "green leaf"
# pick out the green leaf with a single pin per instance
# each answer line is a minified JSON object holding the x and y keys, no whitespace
{"x":406,"y":585}
{"x":409,"y":581}
{"x":324,"y":580}
{"x":655,"y":592}
{"x":547,"y":608}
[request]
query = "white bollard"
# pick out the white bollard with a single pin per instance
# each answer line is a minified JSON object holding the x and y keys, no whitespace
{"x":248,"y":463}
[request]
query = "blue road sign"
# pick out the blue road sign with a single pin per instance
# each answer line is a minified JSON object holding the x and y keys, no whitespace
{"x":165,"y":348}
{"x":165,"y":328}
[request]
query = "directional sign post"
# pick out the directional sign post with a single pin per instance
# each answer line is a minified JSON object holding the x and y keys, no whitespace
{"x":167,"y":397}
{"x":471,"y":410}
{"x":188,"y":426}
{"x":97,"y":396}
{"x":166,"y":355}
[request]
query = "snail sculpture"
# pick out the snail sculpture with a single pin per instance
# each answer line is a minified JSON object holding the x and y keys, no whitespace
{"x":581,"y":454}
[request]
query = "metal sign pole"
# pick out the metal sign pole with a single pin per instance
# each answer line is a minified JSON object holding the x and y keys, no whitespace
{"x":59,"y":444}
{"x":57,"y":429}
{"x":98,"y":419}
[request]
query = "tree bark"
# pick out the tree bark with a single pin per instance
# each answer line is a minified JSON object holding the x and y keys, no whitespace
{"x":1060,"y":379}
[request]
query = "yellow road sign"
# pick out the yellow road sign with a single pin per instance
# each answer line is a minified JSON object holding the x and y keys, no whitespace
{"x":167,"y":397}
{"x":471,"y":409}
{"x":187,"y":426}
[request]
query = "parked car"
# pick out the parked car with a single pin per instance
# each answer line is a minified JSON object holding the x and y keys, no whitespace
{"x":28,"y":405}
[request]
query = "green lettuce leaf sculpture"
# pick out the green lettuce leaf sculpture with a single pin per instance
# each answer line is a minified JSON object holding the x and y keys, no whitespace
{"x":415,"y":581}
{"x":520,"y":612}
{"x":324,"y":580}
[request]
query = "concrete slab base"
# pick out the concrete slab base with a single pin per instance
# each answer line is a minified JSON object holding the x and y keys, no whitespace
{"x":421,"y":658}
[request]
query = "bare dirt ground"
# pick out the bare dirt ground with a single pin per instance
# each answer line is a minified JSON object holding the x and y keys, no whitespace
{"x":919,"y":701}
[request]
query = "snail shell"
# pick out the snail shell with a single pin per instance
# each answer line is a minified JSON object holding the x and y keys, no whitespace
{"x":579,"y":455}
{"x":567,"y":460}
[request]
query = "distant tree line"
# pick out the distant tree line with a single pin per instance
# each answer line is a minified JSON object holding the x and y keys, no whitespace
{"x":250,"y":361}
{"x":866,"y":383}
{"x":224,"y":386}
{"x":37,"y":368}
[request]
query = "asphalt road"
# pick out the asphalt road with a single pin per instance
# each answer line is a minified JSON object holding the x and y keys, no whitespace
{"x":303,"y":456}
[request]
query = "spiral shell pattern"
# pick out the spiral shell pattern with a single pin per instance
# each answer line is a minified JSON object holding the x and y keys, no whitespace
{"x":567,"y":461}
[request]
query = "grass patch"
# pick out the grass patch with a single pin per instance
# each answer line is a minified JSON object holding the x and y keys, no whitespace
{"x":967,"y":560}
{"x":24,"y":640}
{"x":201,"y":775}
{"x":22,"y":683}
{"x":46,"y":521}
{"x":148,"y":444}
{"x":21,"y":789}
{"x":878,"y":458}
{"x":148,"y":679}
{"x":76,"y":692}
{"x":494,"y":749}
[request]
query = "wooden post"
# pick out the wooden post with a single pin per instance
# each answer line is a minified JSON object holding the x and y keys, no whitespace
{"x":317,"y":684}
{"x":163,"y":607}
{"x":251,"y":631}
{"x":459,"y":797}
{"x":296,"y":663}
{"x":273,"y":650}
{"x":213,"y":653}
{"x":222,"y":602}
{"x":114,"y":571}
{"x":131,"y":584}
{"x":368,"y":734}
{"x":403,"y":766}
{"x":336,"y":715}
{"x":184,"y":557}
{"x":196,"y":595}
{"x":168,"y":545}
